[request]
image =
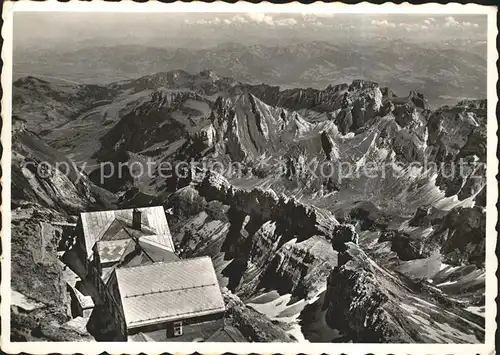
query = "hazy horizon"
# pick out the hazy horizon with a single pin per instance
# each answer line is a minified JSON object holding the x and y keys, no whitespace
{"x":67,"y":31}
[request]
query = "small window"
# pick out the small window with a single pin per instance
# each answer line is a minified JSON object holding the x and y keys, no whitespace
{"x":177,"y":329}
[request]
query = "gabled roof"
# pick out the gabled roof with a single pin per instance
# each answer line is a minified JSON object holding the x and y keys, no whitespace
{"x":169,"y":291}
{"x":150,"y":252}
{"x":121,"y":228}
{"x":137,"y":252}
{"x":117,"y":224}
{"x":111,"y":251}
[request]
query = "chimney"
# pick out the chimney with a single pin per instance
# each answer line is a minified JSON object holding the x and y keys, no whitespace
{"x":136,"y":219}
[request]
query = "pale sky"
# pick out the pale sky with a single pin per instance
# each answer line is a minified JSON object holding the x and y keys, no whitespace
{"x":53,"y":29}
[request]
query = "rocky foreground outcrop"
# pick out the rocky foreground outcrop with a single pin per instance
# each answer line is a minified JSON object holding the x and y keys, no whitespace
{"x":359,"y":303}
{"x":46,"y":187}
{"x":252,"y":324}
{"x":368,"y":304}
{"x":37,"y":275}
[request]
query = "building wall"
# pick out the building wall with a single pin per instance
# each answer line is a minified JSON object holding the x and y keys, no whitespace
{"x":190,"y":327}
{"x":108,"y":320}
{"x":115,"y":304}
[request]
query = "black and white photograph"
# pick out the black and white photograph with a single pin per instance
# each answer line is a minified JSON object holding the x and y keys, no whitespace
{"x":249,"y":174}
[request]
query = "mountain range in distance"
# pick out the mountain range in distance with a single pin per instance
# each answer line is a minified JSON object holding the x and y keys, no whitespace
{"x":446,"y":72}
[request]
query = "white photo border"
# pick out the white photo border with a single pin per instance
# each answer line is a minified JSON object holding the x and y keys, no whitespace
{"x":9,"y":8}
